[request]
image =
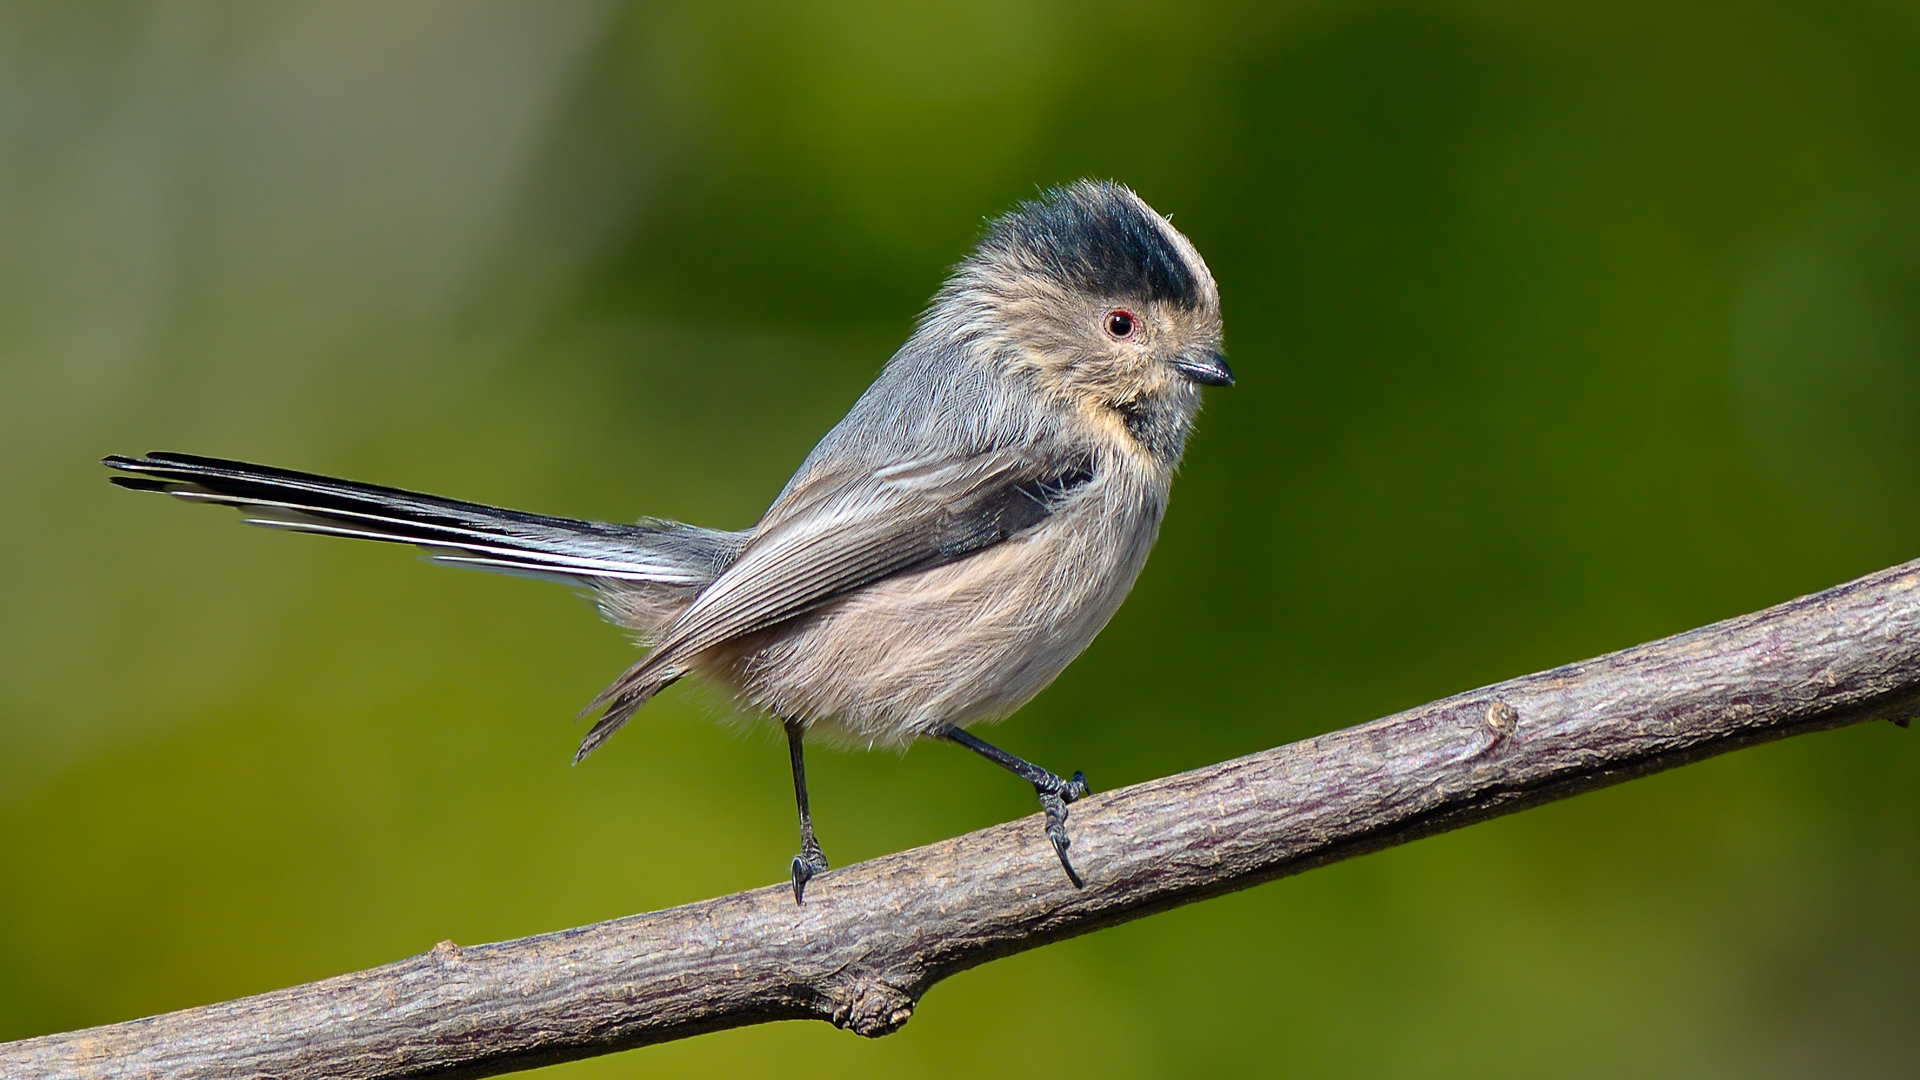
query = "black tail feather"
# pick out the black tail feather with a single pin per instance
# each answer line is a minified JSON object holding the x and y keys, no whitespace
{"x":462,"y":533}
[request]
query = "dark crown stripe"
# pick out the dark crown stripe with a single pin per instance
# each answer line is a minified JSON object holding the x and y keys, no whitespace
{"x":1095,"y":236}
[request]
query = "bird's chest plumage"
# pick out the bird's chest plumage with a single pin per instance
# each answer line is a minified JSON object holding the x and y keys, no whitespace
{"x":969,"y":640}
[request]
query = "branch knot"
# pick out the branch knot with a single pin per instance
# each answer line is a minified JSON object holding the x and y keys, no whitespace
{"x":869,"y":1007}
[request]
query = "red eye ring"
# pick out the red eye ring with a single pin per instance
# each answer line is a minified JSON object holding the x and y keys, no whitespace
{"x":1121,"y":324}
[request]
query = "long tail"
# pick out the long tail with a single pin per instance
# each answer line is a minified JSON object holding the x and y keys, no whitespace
{"x":609,"y":558}
{"x":456,"y":533}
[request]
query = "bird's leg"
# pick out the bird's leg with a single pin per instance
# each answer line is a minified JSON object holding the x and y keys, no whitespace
{"x":810,"y":861}
{"x":1054,"y":792}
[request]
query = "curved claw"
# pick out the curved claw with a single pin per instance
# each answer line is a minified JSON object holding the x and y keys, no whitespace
{"x":806,"y":865}
{"x":1054,"y":799}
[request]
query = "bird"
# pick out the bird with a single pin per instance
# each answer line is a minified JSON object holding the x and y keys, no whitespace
{"x":942,"y":554}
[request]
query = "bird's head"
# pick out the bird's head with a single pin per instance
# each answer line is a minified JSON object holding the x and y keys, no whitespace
{"x":1101,"y":305}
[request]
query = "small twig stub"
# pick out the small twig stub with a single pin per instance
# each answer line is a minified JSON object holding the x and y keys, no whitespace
{"x":1503,"y":718}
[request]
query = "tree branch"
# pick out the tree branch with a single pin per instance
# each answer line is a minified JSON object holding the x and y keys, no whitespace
{"x":872,"y":938}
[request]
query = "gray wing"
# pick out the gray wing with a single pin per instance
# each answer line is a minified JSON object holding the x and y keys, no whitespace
{"x":832,"y":534}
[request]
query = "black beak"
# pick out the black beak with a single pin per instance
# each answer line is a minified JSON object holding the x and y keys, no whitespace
{"x":1206,"y":369}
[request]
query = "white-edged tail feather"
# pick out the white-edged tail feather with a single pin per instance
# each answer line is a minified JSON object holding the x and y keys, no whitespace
{"x":455,"y":533}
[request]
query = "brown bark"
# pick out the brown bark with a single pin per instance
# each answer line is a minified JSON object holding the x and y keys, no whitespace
{"x":872,"y":938}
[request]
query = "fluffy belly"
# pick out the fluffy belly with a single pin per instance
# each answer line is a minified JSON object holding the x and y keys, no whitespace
{"x":968,"y":641}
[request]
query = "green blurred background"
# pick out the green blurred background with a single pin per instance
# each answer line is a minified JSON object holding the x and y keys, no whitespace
{"x":1559,"y":328}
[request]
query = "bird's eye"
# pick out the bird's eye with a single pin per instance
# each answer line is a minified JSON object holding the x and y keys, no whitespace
{"x":1120,"y":324}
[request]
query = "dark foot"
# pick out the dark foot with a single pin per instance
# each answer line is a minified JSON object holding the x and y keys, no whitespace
{"x":805,"y":865}
{"x":809,"y":862}
{"x":1055,"y":795}
{"x":1054,"y":792}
